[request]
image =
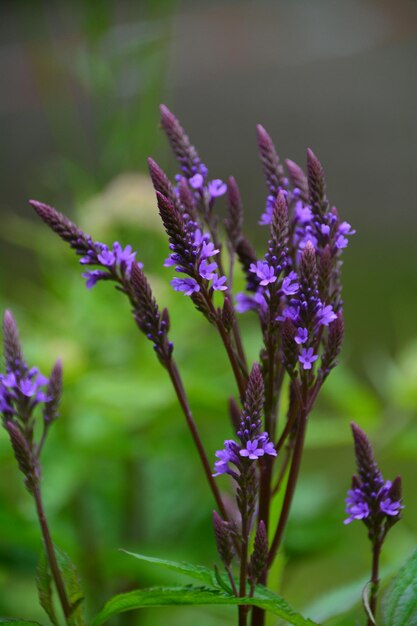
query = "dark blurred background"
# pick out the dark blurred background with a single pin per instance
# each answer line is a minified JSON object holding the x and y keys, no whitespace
{"x":81,"y":83}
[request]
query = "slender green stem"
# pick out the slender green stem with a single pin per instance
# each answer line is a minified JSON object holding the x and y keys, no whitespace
{"x":50,"y":552}
{"x":376,"y":551}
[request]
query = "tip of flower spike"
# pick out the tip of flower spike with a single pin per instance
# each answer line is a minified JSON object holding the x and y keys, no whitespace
{"x":168,"y":119}
{"x":40,"y":208}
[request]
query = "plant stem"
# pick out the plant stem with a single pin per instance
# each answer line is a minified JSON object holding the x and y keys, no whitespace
{"x":243,"y":611}
{"x":376,"y":551}
{"x":182,"y":399}
{"x":291,"y":484}
{"x":50,"y":552}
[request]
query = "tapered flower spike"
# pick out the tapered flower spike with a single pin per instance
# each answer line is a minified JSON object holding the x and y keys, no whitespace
{"x":273,"y":170}
{"x":223,"y":539}
{"x":23,"y":455}
{"x":184,"y":151}
{"x":53,"y":392}
{"x":11,"y":343}
{"x":316,"y":184}
{"x":160,"y":180}
{"x":234,"y":220}
{"x":298,"y":179}
{"x":259,"y":558}
{"x":63,"y":227}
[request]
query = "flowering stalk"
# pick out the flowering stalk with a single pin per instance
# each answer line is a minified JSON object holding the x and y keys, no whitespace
{"x":294,"y":289}
{"x":26,"y":394}
{"x":119,"y":266}
{"x":376,"y":502}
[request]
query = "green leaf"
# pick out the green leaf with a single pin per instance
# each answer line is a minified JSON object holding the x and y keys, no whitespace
{"x":44,"y":585}
{"x":198,"y":572}
{"x":17,"y":622}
{"x":399,"y":606}
{"x":197,"y":596}
{"x":72,"y":585}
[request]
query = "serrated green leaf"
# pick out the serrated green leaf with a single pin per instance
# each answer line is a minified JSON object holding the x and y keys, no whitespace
{"x":44,"y":586}
{"x":399,"y":607}
{"x":197,"y":596}
{"x":198,"y":572}
{"x":72,"y":585}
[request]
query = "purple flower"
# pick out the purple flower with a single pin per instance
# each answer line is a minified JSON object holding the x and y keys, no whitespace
{"x":252,"y":451}
{"x":266,"y":217}
{"x":325,"y":229}
{"x":390,"y":507}
{"x":200,"y":237}
{"x":124,"y":255}
{"x":106,"y":257}
{"x":187,"y":285}
{"x":170,"y":261}
{"x":207,"y":270}
{"x":301,"y":336}
{"x":196,"y":181}
{"x":208,"y":249}
{"x":217,"y":188}
{"x":93,"y":277}
{"x":222,"y":465}
{"x":341,"y":242}
{"x":268,"y":446}
{"x":28,"y":387}
{"x":356,"y":506}
{"x":219,"y":283}
{"x":289,"y":313}
{"x":326,"y":315}
{"x":302,"y":213}
{"x":307,"y":357}
{"x":250,"y":302}
{"x":289,"y":284}
{"x":264,"y":272}
{"x":346,"y":229}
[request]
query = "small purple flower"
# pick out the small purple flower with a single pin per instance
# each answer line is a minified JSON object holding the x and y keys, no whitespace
{"x":196,"y":181}
{"x":221,"y":466}
{"x":200,"y":237}
{"x":341,"y":242}
{"x":266,"y":217}
{"x":268,"y":448}
{"x":170,"y":261}
{"x":325,"y":229}
{"x":326,"y":315}
{"x":219,"y":283}
{"x":217,"y":188}
{"x":264,"y":272}
{"x":252,"y":451}
{"x":188,"y":286}
{"x":346,"y":229}
{"x":93,"y":277}
{"x":390,"y":507}
{"x":208,"y":249}
{"x":307,"y":357}
{"x":301,"y":336}
{"x":106,"y":257}
{"x":303,"y":213}
{"x":207,"y":270}
{"x":289,"y":284}
{"x":250,"y":302}
{"x":28,"y":387}
{"x":124,"y":255}
{"x":356,"y":506}
{"x":289,"y":313}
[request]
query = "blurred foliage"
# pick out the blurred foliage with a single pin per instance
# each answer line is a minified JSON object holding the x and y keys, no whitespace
{"x":120,"y":470}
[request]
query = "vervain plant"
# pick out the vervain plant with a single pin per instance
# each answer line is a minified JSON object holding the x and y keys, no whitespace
{"x":294,"y":290}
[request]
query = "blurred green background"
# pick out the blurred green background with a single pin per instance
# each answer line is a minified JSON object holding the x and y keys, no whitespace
{"x":81,"y":83}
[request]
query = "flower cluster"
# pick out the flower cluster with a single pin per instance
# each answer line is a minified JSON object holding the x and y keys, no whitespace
{"x":253,"y":444}
{"x":24,"y":391}
{"x":308,"y":260}
{"x":372,"y":499}
{"x":114,"y":261}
